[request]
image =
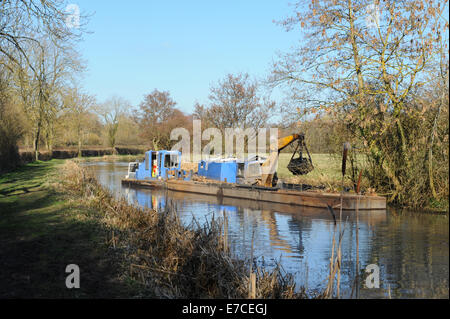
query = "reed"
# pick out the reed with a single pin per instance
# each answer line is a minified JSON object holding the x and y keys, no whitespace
{"x":336,"y":261}
{"x":170,"y":260}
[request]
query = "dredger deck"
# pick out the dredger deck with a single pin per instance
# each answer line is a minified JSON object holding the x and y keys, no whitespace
{"x":310,"y":198}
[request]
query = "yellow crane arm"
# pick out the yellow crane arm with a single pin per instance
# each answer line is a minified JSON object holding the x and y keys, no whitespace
{"x":287,"y":140}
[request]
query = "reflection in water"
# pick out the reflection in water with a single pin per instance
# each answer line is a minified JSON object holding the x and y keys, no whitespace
{"x":411,"y":249}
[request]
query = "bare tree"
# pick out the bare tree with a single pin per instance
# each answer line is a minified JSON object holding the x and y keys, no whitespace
{"x":40,"y":80}
{"x":360,"y":61}
{"x":155,"y":118}
{"x":22,"y":22}
{"x":235,"y":102}
{"x":23,"y":26}
{"x":111,"y":111}
{"x":128,"y":130}
{"x":77,"y":107}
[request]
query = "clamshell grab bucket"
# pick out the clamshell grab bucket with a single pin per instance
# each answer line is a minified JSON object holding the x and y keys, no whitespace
{"x":300,"y":165}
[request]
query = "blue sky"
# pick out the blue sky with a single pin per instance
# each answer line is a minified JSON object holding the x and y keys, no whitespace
{"x":179,"y":46}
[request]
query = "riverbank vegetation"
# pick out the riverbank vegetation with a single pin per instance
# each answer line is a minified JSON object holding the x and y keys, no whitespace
{"x":55,"y":213}
{"x":374,"y":74}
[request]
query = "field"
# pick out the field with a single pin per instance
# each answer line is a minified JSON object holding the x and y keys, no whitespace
{"x":327,"y":168}
{"x":327,"y":171}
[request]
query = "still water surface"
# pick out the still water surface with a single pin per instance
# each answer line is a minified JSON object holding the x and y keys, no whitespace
{"x":410,"y":248}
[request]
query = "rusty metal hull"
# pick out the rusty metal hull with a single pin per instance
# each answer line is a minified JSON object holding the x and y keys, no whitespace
{"x":271,"y":195}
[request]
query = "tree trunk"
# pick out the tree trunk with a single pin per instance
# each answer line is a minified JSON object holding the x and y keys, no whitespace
{"x":49,"y":140}
{"x":79,"y":146}
{"x":36,"y":142}
{"x":397,"y":184}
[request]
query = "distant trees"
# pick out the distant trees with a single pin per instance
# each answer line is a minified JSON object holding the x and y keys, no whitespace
{"x":84,"y":122}
{"x":77,"y":118}
{"x":128,"y":130}
{"x":111,"y":111}
{"x":34,"y":40}
{"x":48,"y":70}
{"x":237,"y":108}
{"x":235,"y":102}
{"x":157,"y":117}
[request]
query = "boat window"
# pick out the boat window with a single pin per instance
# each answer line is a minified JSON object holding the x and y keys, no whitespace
{"x":240,"y":171}
{"x":147,"y":162}
{"x":254,"y":169}
{"x":170,"y":161}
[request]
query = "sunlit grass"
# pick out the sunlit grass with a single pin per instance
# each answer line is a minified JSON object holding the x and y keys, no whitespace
{"x":324,"y":165}
{"x":42,"y":230}
{"x":327,"y":170}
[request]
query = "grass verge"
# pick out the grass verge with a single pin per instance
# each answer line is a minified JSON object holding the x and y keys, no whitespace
{"x":110,"y":158}
{"x":42,"y":230}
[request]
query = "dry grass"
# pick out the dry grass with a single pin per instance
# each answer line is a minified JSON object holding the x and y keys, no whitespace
{"x":170,"y":260}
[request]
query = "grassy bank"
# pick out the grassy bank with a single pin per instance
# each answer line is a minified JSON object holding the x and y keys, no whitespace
{"x":15,"y":158}
{"x":111,"y":158}
{"x":42,"y":230}
{"x":54,"y":214}
{"x":327,"y":172}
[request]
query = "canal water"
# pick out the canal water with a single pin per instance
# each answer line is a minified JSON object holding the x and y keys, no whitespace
{"x":410,"y":249}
